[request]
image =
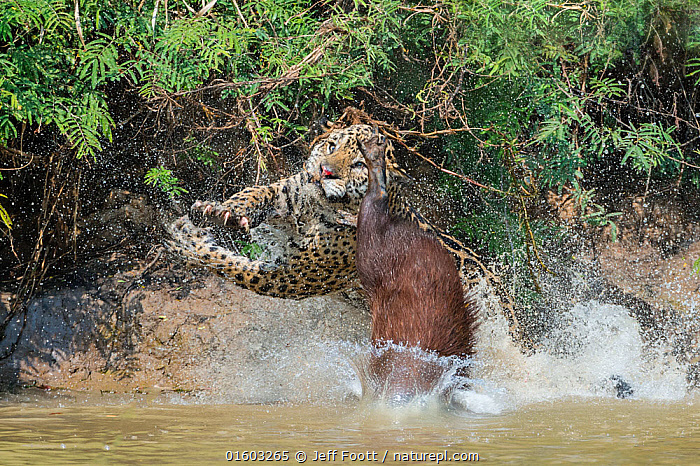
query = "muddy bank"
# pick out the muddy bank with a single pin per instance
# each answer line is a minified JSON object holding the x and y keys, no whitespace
{"x":169,"y":328}
{"x":124,"y":324}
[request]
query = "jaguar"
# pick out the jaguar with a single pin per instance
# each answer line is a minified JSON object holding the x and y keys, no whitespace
{"x":313,"y":217}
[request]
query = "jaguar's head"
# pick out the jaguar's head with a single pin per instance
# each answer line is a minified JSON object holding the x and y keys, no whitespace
{"x":337,"y":163}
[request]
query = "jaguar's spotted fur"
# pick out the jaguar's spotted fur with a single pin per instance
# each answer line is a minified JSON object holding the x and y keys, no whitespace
{"x":316,"y":206}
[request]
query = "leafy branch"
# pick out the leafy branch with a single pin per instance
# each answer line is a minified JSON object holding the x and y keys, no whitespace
{"x":163,"y":178}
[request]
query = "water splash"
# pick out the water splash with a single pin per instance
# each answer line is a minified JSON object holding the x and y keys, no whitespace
{"x":593,"y":350}
{"x":400,"y":375}
{"x":318,"y":372}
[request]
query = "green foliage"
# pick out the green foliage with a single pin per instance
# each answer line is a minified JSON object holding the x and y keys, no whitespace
{"x":201,"y":153}
{"x":696,"y":266}
{"x":694,"y":69}
{"x":83,"y":122}
{"x":646,"y":147}
{"x":595,"y":214}
{"x":46,"y":81}
{"x":539,"y":73}
{"x":555,"y":91}
{"x":252,"y":251}
{"x":4,"y":216}
{"x":543,"y":93}
{"x":55,"y":71}
{"x":163,"y":178}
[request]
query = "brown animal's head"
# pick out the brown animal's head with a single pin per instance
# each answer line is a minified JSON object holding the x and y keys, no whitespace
{"x":373,"y":151}
{"x":336,"y":161}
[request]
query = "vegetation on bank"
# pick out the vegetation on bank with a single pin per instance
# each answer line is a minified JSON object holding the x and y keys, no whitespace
{"x":519,"y":97}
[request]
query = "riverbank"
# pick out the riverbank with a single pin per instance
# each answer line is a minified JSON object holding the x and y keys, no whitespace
{"x":166,"y":327}
{"x":125,"y":321}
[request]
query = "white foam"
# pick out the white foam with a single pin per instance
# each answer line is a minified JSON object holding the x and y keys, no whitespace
{"x":595,"y":350}
{"x":593,"y":346}
{"x":477,"y":403}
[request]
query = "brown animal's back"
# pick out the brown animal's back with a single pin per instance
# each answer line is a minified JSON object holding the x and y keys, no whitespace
{"x":414,"y":291}
{"x":412,"y":283}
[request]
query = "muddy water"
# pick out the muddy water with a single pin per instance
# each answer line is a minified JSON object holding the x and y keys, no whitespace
{"x":574,"y":430}
{"x":558,"y":405}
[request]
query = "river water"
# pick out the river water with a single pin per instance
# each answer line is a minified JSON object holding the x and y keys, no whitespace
{"x":556,"y":406}
{"x":70,"y":429}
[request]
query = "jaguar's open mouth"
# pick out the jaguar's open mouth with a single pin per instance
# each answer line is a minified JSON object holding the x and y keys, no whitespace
{"x":327,"y":174}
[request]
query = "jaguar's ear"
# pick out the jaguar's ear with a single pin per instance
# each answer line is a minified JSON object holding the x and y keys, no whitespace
{"x":392,"y":167}
{"x":398,"y":175}
{"x":320,"y":129}
{"x":325,"y":124}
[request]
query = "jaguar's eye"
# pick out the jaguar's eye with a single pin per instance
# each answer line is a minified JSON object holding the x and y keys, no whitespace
{"x":359,"y":164}
{"x":331,"y":147}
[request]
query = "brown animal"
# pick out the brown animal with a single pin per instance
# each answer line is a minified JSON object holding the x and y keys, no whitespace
{"x":414,"y":291}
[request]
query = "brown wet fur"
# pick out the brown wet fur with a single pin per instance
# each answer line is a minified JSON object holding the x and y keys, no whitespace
{"x":325,"y":261}
{"x":413,"y":287}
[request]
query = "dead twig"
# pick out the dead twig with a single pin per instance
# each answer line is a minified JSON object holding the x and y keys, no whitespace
{"x":78,"y":26}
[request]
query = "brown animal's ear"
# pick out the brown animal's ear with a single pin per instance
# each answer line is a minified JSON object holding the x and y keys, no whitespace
{"x":363,"y":148}
{"x":380,"y":138}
